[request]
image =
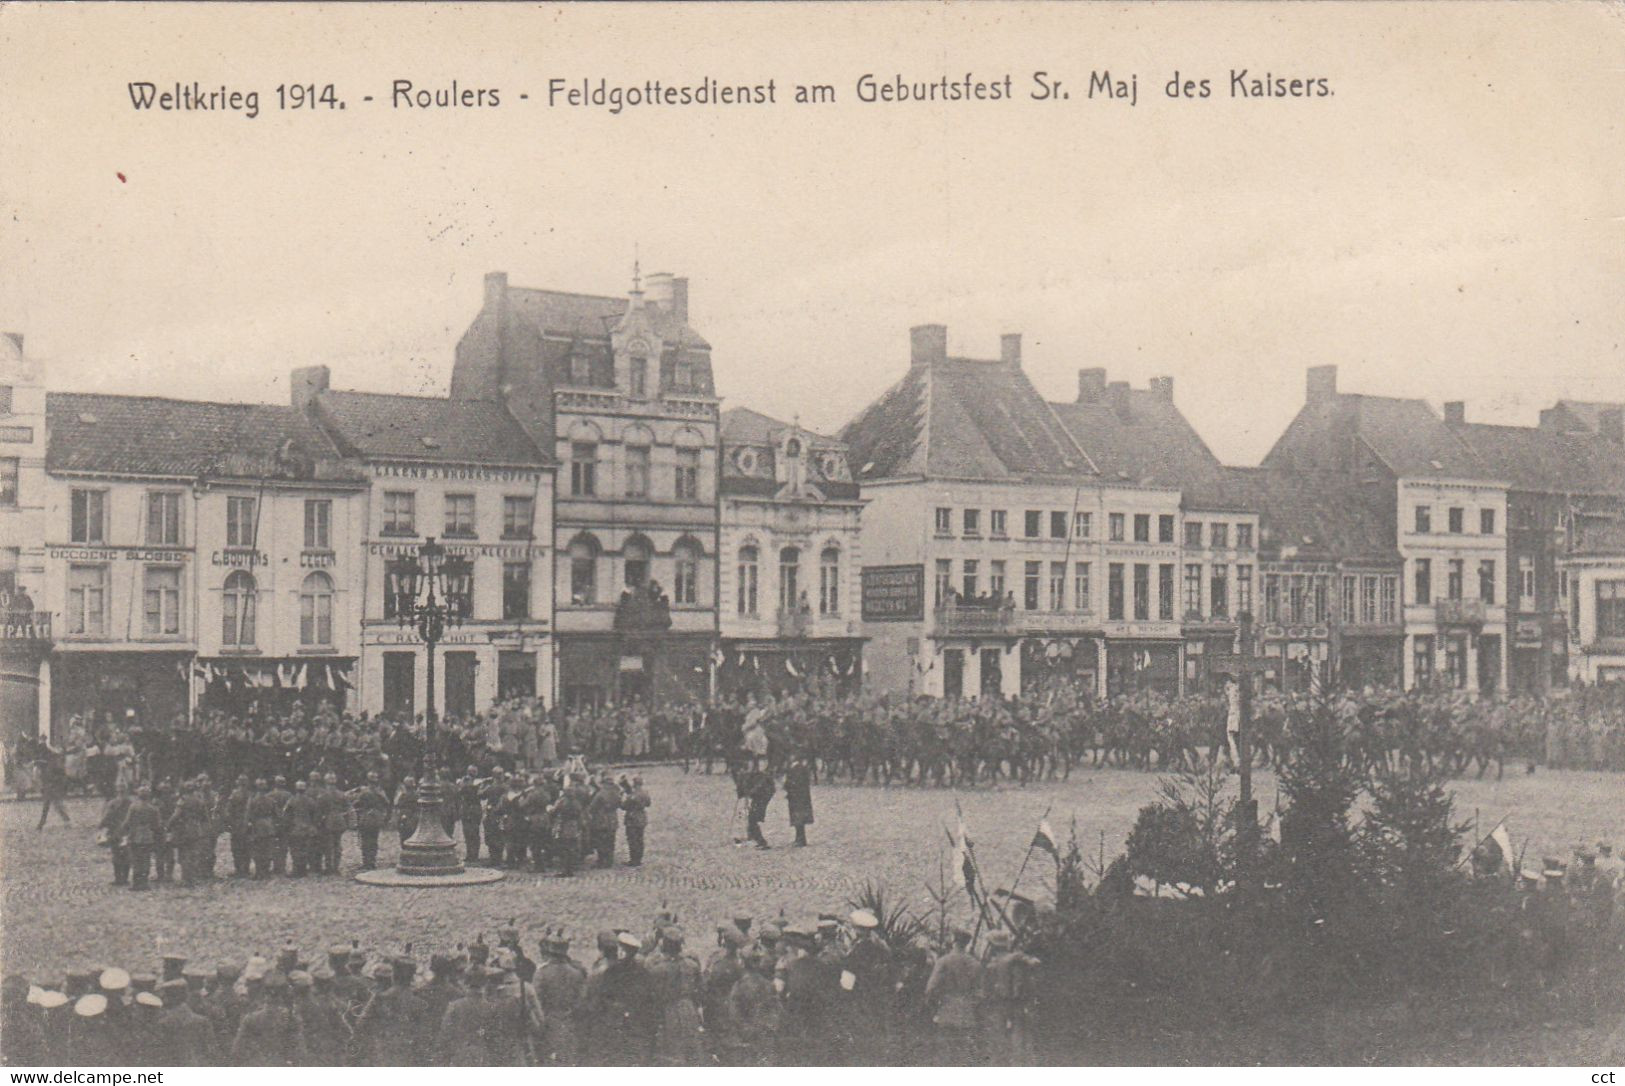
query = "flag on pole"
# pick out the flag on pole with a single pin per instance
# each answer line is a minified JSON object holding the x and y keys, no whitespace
{"x":964,"y":866}
{"x":1045,"y":839}
{"x":1503,"y":841}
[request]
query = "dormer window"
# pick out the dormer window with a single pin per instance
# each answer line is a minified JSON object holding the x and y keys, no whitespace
{"x":580,"y":369}
{"x":638,"y":376}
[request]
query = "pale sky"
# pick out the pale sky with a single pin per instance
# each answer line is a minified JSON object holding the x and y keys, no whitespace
{"x":1449,"y":224}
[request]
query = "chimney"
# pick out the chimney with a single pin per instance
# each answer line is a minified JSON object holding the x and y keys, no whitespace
{"x":669,"y":292}
{"x":1117,"y":397}
{"x":1164,"y":388}
{"x":1091,"y":384}
{"x":305,"y":383}
{"x":928,"y":343}
{"x":1010,"y":349}
{"x":496,"y":289}
{"x":1611,"y":424}
{"x":1322,"y":384}
{"x":17,"y":338}
{"x":1455,"y":413}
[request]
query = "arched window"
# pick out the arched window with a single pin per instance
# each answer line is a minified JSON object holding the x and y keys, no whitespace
{"x":686,"y":577}
{"x":749,"y":559}
{"x":636,"y":554}
{"x":316,"y":610}
{"x":584,"y":571}
{"x":829,"y":581}
{"x":237,"y":606}
{"x":790,"y":579}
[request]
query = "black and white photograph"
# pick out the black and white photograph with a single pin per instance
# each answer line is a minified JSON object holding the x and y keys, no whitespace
{"x":782,"y":535}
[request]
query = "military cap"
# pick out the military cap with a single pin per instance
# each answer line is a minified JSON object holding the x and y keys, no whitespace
{"x":628,"y":940}
{"x":1553,"y":869}
{"x":279,"y":779}
{"x":828,"y":923}
{"x":732,"y":935}
{"x":34,"y":993}
{"x":743,"y":924}
{"x":404,"y":969}
{"x":173,"y":992}
{"x":440,"y":964}
{"x":275,"y":982}
{"x":300,"y":980}
{"x":301,"y":786}
{"x":113,"y":980}
{"x":143,"y":982}
{"x":864,"y":919}
{"x":322,"y":974}
{"x":287,"y":958}
{"x":673,"y":934}
{"x":382,"y":971}
{"x":89,"y":1006}
{"x":196,"y":976}
{"x":78,"y":984}
{"x":173,"y":964}
{"x":228,"y":970}
{"x":796,"y":932}
{"x":555,"y":943}
{"x":147,"y":999}
{"x":51,"y":1000}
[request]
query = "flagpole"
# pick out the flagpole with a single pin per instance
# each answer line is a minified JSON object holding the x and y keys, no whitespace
{"x":1017,"y":880}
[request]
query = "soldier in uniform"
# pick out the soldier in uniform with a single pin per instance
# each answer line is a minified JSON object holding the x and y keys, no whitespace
{"x":163,"y":849}
{"x":754,"y":1012}
{"x":372,"y":813}
{"x":866,"y":986}
{"x":112,"y":820}
{"x":234,"y":811}
{"x":91,"y":1039}
{"x":491,"y":797}
{"x":559,"y":986}
{"x":459,"y":1041}
{"x":1005,"y":992}
{"x":406,"y":809}
{"x":759,"y":790}
{"x":381,"y":1027}
{"x":187,"y":1037}
{"x":443,"y":989}
{"x":299,"y":827}
{"x":140,"y":835}
{"x":722,"y":972}
{"x":262,"y":814}
{"x":280,"y":843}
{"x":223,"y":1005}
{"x":952,"y":997}
{"x":602,"y":810}
{"x":808,"y":994}
{"x":334,"y":822}
{"x":675,"y":990}
{"x":187,"y":829}
{"x":619,"y":1018}
{"x":20,"y":1024}
{"x":635,"y":802}
{"x":798,"y":796}
{"x":470,"y":812}
{"x":567,"y":813}
{"x":270,"y":1035}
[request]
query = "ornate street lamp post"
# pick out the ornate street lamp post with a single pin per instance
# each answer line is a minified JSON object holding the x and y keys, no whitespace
{"x":431,"y":593}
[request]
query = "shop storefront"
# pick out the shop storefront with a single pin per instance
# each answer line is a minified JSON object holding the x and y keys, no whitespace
{"x":649,"y":668}
{"x":236,"y":686}
{"x":152,"y":688}
{"x":1374,"y":660}
{"x":766,"y":666}
{"x":1054,"y":663}
{"x":1133,"y":666}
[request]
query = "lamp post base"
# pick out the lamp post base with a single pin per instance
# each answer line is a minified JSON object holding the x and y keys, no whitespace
{"x":429,"y":857}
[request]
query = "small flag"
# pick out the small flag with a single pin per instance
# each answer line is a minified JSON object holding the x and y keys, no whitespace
{"x":1503,"y":841}
{"x":1045,"y":839}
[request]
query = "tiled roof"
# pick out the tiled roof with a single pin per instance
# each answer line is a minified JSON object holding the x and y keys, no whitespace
{"x":1149,"y":443}
{"x":1413,"y":441}
{"x":151,"y":435}
{"x":593,"y":316}
{"x":370,"y":424}
{"x":965,"y":419}
{"x":1322,"y":516}
{"x":1529,"y":458}
{"x":1588,"y":412}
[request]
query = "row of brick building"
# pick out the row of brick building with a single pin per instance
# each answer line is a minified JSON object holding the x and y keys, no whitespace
{"x":961,"y":535}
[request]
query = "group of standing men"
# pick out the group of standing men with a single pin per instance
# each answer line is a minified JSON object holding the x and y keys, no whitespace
{"x":554,"y":819}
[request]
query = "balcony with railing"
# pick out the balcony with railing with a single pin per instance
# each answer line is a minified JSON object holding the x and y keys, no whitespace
{"x":969,"y":619}
{"x":1461,"y":612}
{"x":643,"y":610}
{"x":25,"y":627}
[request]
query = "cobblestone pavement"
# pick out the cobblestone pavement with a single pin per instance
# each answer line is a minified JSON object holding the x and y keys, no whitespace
{"x":61,"y":912}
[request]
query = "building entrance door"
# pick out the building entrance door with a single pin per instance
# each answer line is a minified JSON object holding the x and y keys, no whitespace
{"x":398,"y":685}
{"x":460,"y":668}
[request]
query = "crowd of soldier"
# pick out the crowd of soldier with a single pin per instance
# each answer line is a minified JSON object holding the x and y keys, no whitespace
{"x":834,"y":992}
{"x":548,"y":819}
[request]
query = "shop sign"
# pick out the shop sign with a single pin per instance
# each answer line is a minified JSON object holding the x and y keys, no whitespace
{"x":316,"y":559}
{"x":239,"y":559}
{"x":465,"y":550}
{"x":106,"y":553}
